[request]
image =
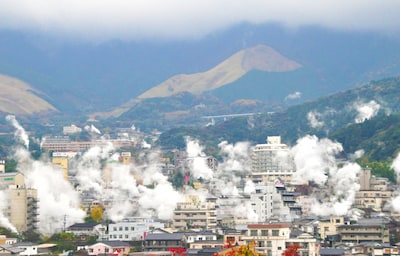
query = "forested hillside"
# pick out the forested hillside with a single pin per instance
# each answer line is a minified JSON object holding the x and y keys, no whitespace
{"x":363,"y":118}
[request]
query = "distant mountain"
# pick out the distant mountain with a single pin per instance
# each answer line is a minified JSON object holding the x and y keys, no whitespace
{"x":18,"y":98}
{"x":82,"y":78}
{"x":260,"y":57}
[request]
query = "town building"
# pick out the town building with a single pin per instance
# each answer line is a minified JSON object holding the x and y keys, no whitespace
{"x":165,"y":241}
{"x":22,"y":202}
{"x":23,"y":209}
{"x":267,"y":203}
{"x":327,"y":228}
{"x":117,"y":248}
{"x":271,"y":161}
{"x":270,"y":238}
{"x":132,"y":229}
{"x":195,"y":214}
{"x":365,"y":230}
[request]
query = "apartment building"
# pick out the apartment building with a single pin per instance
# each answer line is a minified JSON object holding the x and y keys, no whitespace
{"x":267,"y":203}
{"x":21,"y":202}
{"x":22,"y":210}
{"x":195,"y":214}
{"x":374,"y":192}
{"x":365,"y":230}
{"x":270,"y":238}
{"x":271,"y":161}
{"x":328,"y":227}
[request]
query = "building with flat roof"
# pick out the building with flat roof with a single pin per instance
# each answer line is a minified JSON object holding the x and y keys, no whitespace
{"x":195,"y":214}
{"x":271,"y":161}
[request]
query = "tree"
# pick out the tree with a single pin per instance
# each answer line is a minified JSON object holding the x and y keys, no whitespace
{"x":291,"y":250}
{"x":242,"y":250}
{"x":96,"y":213}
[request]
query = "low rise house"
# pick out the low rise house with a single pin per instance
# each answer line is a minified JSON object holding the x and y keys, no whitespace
{"x":87,"y":229}
{"x":165,"y":241}
{"x":116,"y":248}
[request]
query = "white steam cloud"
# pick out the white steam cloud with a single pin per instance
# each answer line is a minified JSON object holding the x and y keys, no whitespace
{"x":293,"y":96}
{"x":100,"y":20}
{"x":315,"y":160}
{"x":4,"y":222}
{"x":197,"y":160}
{"x":366,"y":111}
{"x":313,"y":117}
{"x":395,"y":203}
{"x":20,"y":132}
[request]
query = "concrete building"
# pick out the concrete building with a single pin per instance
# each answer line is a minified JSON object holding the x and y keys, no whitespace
{"x":16,"y":179}
{"x":132,"y":229}
{"x":270,"y":238}
{"x":365,"y":230}
{"x":271,"y":161}
{"x":195,"y":214}
{"x":61,"y":159}
{"x":307,"y":244}
{"x":22,"y":210}
{"x":328,"y":227}
{"x":374,"y":192}
{"x":267,"y":203}
{"x":22,"y":202}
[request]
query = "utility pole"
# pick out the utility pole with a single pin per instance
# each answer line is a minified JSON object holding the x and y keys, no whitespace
{"x":65,"y":222}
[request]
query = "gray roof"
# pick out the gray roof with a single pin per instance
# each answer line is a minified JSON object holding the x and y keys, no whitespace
{"x":165,"y":236}
{"x":115,"y":243}
{"x":331,"y":251}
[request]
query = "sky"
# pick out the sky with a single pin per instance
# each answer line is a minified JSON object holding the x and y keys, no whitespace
{"x":104,"y":20}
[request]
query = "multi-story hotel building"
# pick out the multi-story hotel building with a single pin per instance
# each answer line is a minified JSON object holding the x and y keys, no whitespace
{"x":271,"y":161}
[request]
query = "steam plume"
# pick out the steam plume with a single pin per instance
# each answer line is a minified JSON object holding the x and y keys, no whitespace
{"x":20,"y":133}
{"x":366,"y":111}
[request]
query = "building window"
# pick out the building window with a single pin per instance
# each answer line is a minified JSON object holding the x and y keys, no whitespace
{"x":264,"y":232}
{"x":253,"y":232}
{"x":275,"y":232}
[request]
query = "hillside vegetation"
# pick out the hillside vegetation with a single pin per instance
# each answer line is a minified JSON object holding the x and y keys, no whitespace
{"x":336,"y":117}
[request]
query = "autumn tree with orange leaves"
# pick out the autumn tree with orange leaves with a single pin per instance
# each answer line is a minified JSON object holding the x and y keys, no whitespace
{"x":291,"y":250}
{"x":242,"y":250}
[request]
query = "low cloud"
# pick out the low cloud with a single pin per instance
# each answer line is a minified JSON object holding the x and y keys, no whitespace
{"x":174,"y":19}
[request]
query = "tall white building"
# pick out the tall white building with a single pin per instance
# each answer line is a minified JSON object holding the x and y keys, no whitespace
{"x":268,"y":204}
{"x":271,"y":161}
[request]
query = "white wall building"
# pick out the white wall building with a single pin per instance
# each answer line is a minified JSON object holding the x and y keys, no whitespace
{"x":267,"y":203}
{"x":271,"y":161}
{"x":132,"y":229}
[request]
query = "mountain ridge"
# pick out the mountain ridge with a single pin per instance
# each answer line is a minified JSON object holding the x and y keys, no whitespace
{"x":260,"y":57}
{"x":19,"y":98}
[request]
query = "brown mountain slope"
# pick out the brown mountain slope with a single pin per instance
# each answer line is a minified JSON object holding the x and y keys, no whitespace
{"x":260,"y":57}
{"x":17,"y":97}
